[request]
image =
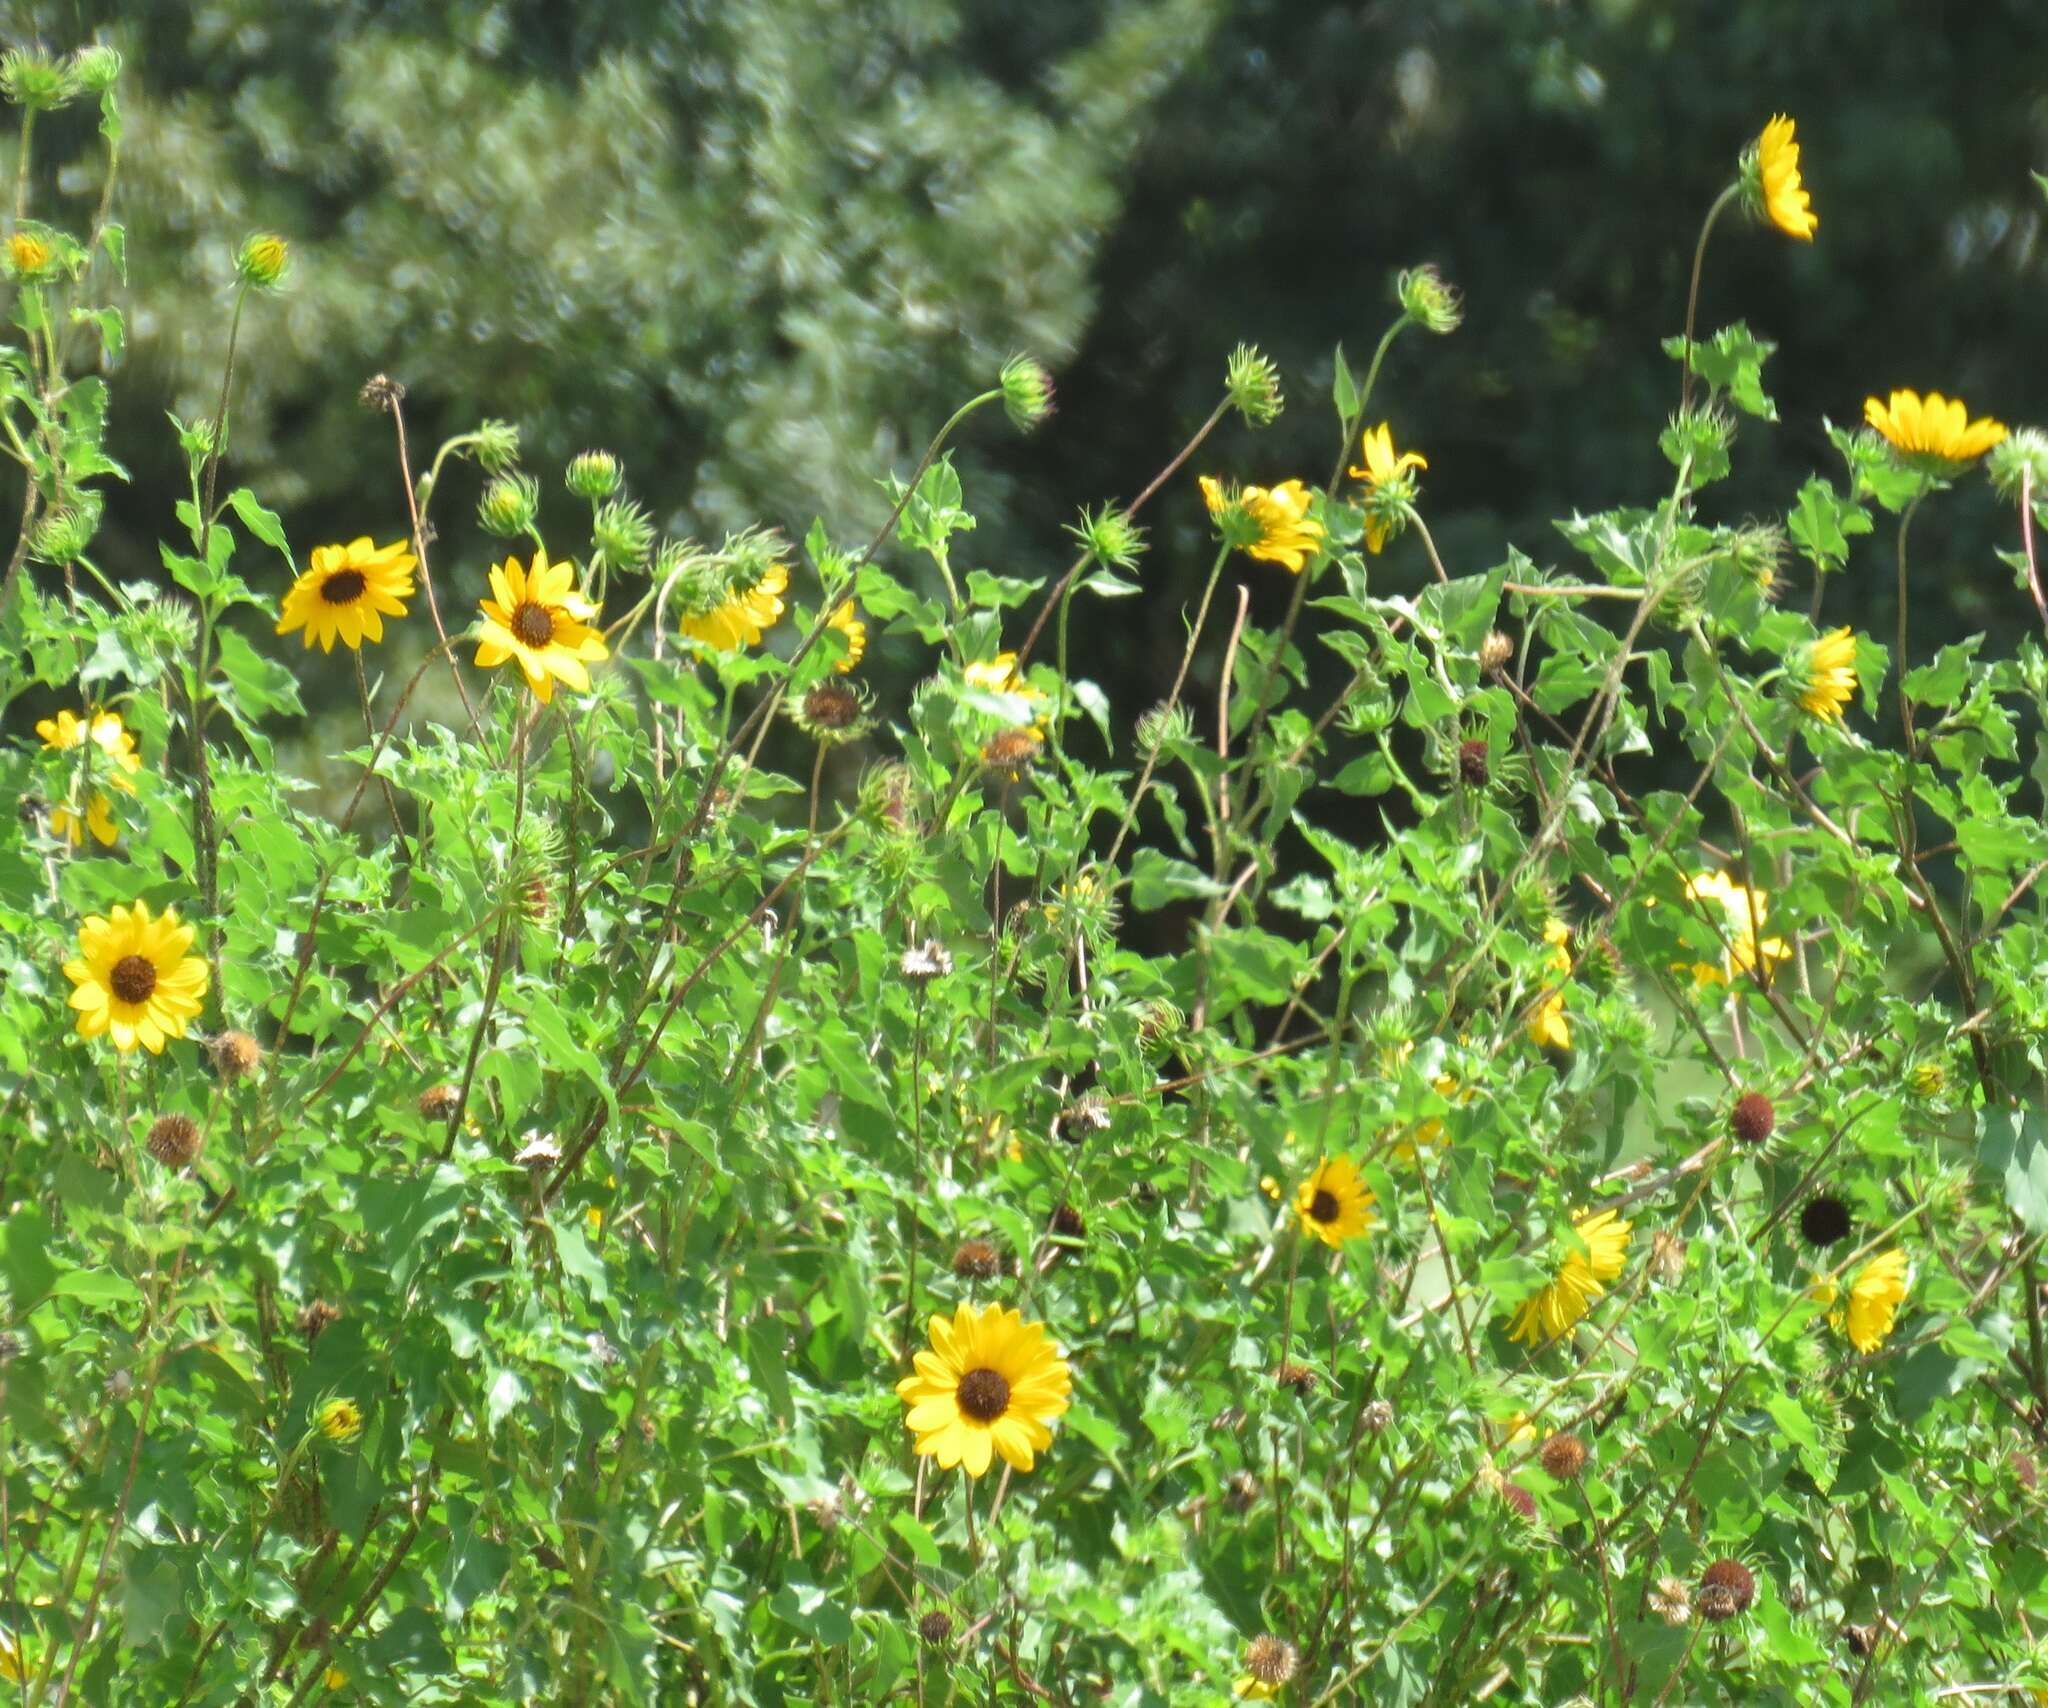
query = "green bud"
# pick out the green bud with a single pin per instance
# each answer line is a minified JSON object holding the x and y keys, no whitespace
{"x":748,"y":556}
{"x":623,"y":533}
{"x":1757,"y":550}
{"x":30,"y":78}
{"x":163,"y":630}
{"x":509,"y":505}
{"x":1428,"y":301}
{"x":262,"y":261}
{"x":1027,"y":391}
{"x":195,"y":437}
{"x":593,"y":475}
{"x":2019,"y":461}
{"x":63,"y":535}
{"x":1164,"y":728}
{"x":495,"y":445}
{"x":97,"y":68}
{"x":1254,"y":386}
{"x":1110,"y":536}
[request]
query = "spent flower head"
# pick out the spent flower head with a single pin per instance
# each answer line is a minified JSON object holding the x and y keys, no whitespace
{"x":1253,"y":386}
{"x":2019,"y":462}
{"x":97,"y":68}
{"x":1110,"y":537}
{"x":621,"y":530}
{"x":495,"y":445}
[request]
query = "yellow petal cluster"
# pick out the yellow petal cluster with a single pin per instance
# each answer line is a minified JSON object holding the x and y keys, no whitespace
{"x":539,"y":619}
{"x":1334,"y":1204}
{"x":133,"y":979}
{"x":1278,"y":527}
{"x":347,"y":592}
{"x":990,"y":1385}
{"x":1936,"y":428}
{"x":1785,"y":199}
{"x":1556,"y":1308}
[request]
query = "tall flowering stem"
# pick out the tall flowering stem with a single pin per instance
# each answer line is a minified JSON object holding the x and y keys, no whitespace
{"x":1692,"y":295}
{"x":392,"y":396}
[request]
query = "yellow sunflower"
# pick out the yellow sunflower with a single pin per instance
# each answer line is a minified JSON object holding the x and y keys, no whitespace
{"x":1389,"y":489}
{"x":1826,"y":675}
{"x":134,"y":978}
{"x":1268,"y":523}
{"x":66,"y":733}
{"x":1552,"y":1310}
{"x":1874,"y":1299}
{"x":1936,"y":431}
{"x":541,"y":620}
{"x":1334,"y":1204}
{"x":740,"y":619}
{"x":13,"y":1668}
{"x":1777,"y":166}
{"x":348,"y":592}
{"x":847,"y":621}
{"x":991,"y":1384}
{"x":1548,"y":1027}
{"x":339,"y":1420}
{"x":1743,"y":911}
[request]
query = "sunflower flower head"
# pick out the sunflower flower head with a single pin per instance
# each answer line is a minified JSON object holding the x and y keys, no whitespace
{"x":1390,"y":488}
{"x":1933,"y":434}
{"x":732,"y":599}
{"x":106,"y":754}
{"x":1581,"y":1278}
{"x":1548,"y":1028}
{"x":989,"y":1386}
{"x":1738,"y":911}
{"x":1334,"y":1204}
{"x":1771,"y":185}
{"x":845,"y":621}
{"x":28,"y":256}
{"x":133,"y":980}
{"x":1822,"y":675}
{"x":1271,"y":524}
{"x":341,"y":1421}
{"x":537,"y":618}
{"x":1871,"y":1309}
{"x":347,"y":592}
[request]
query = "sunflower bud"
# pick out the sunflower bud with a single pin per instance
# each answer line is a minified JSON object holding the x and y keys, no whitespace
{"x":1027,"y":391}
{"x":1164,"y":727}
{"x":62,"y":536}
{"x":1428,"y":301}
{"x":509,"y":505}
{"x":623,"y":533}
{"x":832,"y":710}
{"x":1927,"y":1079}
{"x":2020,"y":461}
{"x":593,"y":475}
{"x":1253,"y":386}
{"x":1110,"y":537}
{"x":30,"y":78}
{"x":262,"y":260}
{"x":29,"y":256}
{"x":341,"y":1421}
{"x":97,"y":68}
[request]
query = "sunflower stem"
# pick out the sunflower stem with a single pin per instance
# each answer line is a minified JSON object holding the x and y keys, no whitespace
{"x":1692,"y":295}
{"x":419,"y":551}
{"x":355,"y":654}
{"x":911,"y":1198}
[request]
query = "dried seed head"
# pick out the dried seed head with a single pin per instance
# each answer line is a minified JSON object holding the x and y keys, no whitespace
{"x":174,"y":1141}
{"x":1753,"y":1118}
{"x":1727,"y":1587}
{"x":1271,"y":1660}
{"x":1824,"y":1220}
{"x":1299,"y":1377}
{"x":1377,"y":1418}
{"x":977,"y":1260}
{"x":1069,"y":1223}
{"x":1495,"y":652}
{"x":10,"y":1349}
{"x":1563,"y":1456}
{"x":935,"y":1629}
{"x":382,"y":393}
{"x":438,"y":1102}
{"x":1520,"y":1499}
{"x":316,"y":1319}
{"x":1009,"y":751}
{"x":1472,"y":762}
{"x":1671,"y":1601}
{"x":1667,"y":1257}
{"x":2024,"y":1471}
{"x":1241,"y":1493}
{"x":236,"y":1055}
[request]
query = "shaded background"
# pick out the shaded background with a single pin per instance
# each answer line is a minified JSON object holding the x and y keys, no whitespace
{"x":761,"y":247}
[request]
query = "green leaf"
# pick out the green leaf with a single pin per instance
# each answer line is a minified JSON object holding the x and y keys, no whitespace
{"x":1157,"y":879}
{"x":264,"y":524}
{"x":1344,"y":392}
{"x":1821,"y":522}
{"x":1732,"y":362}
{"x":2013,"y":1150}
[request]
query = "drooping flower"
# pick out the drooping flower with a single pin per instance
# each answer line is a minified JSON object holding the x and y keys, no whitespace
{"x":346,"y":593}
{"x":1389,"y":487}
{"x":339,"y":1420}
{"x":846,"y":619}
{"x":1777,"y":185}
{"x":990,"y":1385}
{"x":1580,"y":1279}
{"x":1743,"y":910}
{"x":66,"y":733}
{"x":134,"y":979}
{"x":1334,"y":1204}
{"x":1271,"y":524}
{"x":1934,"y":431}
{"x":1824,"y":675}
{"x":1874,"y":1299}
{"x":539,"y":619}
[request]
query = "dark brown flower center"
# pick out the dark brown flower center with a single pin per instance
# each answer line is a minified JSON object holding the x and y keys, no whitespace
{"x":133,"y":978}
{"x":533,"y":624}
{"x":1323,"y":1207}
{"x":984,"y":1395}
{"x":343,"y":587}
